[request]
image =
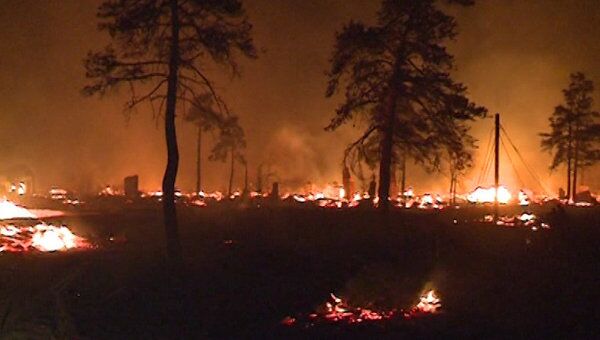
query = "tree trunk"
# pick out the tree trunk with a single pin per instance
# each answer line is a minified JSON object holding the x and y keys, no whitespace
{"x":385,"y":163}
{"x":198,"y":161}
{"x":245,"y":177}
{"x":259,"y":178}
{"x":575,"y":168}
{"x":569,"y":157}
{"x":453,"y":184}
{"x":231,"y":172}
{"x":403,"y":179}
{"x":454,"y":189}
{"x":168,"y":184}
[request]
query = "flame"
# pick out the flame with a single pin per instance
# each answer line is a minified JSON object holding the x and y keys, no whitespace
{"x":22,"y":189}
{"x":336,"y":310}
{"x":427,"y":202}
{"x":342,"y":193}
{"x":523,"y":198}
{"x":488,"y":195}
{"x":9,"y":210}
{"x":429,"y":303}
{"x":108,"y":191}
{"x":42,"y":237}
{"x":58,"y":194}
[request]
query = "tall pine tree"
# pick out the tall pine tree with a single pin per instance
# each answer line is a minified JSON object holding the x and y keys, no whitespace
{"x":574,"y":136}
{"x":159,"y":50}
{"x":395,"y":76}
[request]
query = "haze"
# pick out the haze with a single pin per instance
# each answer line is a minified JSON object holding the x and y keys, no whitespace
{"x":515,"y":56}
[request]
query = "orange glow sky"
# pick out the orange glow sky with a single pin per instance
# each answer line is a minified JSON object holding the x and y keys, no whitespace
{"x":515,"y":56}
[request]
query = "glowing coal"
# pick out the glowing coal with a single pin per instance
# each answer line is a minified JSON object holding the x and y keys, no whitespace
{"x":428,"y":304}
{"x":337,"y":310}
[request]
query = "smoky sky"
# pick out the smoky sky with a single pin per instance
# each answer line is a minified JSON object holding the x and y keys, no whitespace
{"x":515,"y":57}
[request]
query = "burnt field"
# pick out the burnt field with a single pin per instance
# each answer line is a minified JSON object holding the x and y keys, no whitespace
{"x":249,"y":268}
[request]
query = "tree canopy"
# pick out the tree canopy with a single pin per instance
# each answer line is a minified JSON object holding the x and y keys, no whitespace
{"x":396,"y":81}
{"x":574,"y":130}
{"x":160,"y":49}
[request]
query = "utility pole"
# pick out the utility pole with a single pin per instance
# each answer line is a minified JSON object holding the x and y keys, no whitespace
{"x":198,"y":161}
{"x":403,"y":180}
{"x":497,"y":163}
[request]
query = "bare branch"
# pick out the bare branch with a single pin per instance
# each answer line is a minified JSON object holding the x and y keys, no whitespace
{"x":135,"y":101}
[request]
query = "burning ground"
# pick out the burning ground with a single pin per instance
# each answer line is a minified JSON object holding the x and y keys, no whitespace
{"x":249,"y":268}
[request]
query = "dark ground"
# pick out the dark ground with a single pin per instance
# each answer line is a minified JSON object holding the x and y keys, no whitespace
{"x":494,"y":282}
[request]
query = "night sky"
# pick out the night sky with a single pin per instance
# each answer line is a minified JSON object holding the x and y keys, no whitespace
{"x":515,"y":56}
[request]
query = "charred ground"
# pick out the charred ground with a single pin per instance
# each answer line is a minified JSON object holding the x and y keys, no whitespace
{"x":248,"y":268}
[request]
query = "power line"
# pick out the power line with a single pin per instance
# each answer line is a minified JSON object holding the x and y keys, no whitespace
{"x":486,"y":162}
{"x":531,"y":172}
{"x":514,"y":166}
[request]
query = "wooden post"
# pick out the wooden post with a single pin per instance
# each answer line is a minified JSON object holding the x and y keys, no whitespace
{"x":497,"y":163}
{"x":198,"y":161}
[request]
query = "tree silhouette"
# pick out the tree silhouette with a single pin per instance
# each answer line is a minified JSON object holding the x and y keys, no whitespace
{"x":230,"y":142}
{"x":574,"y":131}
{"x":396,"y":81}
{"x":206,"y":117}
{"x":158,"y":43}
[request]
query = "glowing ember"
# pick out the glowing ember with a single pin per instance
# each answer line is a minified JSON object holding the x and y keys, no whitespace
{"x":524,"y":220}
{"x":58,"y":194}
{"x":299,"y":198}
{"x":108,"y":191}
{"x":22,"y":189}
{"x":342,"y":193}
{"x":336,"y":310}
{"x":255,"y":194}
{"x":42,"y":237}
{"x":427,"y":202}
{"x":198,"y":203}
{"x":523,"y":198}
{"x":428,"y":304}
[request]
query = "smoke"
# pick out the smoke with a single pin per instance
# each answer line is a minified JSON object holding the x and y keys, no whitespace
{"x":515,"y":57}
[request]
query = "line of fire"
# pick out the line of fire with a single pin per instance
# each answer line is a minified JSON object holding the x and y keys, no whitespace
{"x":431,"y":193}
